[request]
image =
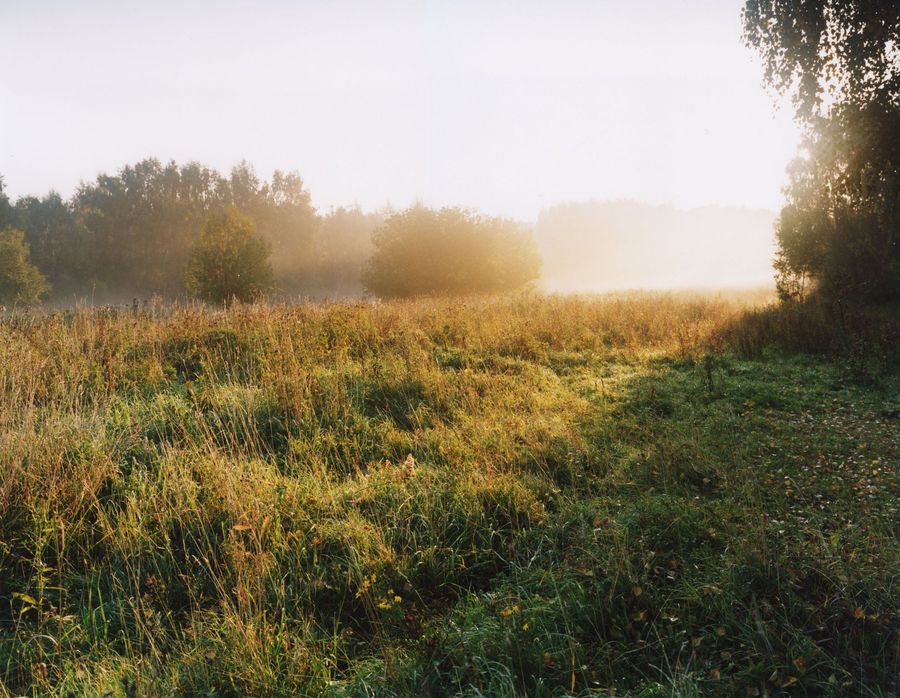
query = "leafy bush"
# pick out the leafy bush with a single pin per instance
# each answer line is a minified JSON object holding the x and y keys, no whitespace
{"x":229,"y":260}
{"x":453,"y":251}
{"x":20,"y":281}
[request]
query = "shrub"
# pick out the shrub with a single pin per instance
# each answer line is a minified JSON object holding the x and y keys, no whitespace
{"x":20,"y":280}
{"x":452,"y":251}
{"x":229,"y":260}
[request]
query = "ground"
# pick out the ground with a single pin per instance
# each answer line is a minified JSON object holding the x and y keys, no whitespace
{"x":531,"y":496}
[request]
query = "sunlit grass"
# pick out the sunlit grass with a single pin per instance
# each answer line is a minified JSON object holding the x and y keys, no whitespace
{"x":541,"y":495}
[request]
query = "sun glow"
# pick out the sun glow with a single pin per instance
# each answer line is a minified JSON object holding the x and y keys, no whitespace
{"x":509,"y":107}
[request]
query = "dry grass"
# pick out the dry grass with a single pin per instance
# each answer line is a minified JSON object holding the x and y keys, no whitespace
{"x":434,"y":497}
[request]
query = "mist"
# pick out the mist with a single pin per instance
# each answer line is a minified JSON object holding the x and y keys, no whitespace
{"x":130,"y":235}
{"x":606,"y":246}
{"x":650,"y":118}
{"x":507,"y":107}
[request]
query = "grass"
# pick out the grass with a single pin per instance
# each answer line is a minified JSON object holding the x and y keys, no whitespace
{"x":537,"y":496}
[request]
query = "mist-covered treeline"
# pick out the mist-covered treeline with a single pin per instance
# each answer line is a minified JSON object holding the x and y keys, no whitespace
{"x":171,"y":230}
{"x":131,"y":233}
{"x":600,"y":246}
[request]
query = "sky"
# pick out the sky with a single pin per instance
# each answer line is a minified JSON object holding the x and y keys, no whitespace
{"x":509,"y":106}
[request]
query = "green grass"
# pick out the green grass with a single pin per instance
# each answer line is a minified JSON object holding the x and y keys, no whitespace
{"x":534,"y":496}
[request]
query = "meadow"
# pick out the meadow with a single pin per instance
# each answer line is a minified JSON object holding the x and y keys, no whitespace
{"x":646,"y":495}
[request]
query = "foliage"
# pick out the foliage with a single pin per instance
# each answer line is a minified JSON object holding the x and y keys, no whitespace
{"x":828,"y":54}
{"x":283,"y":212}
{"x":543,"y":496}
{"x":20,"y":281}
{"x":229,"y":260}
{"x":452,"y":251}
{"x":140,"y":223}
{"x":344,"y":248}
{"x":6,"y":210}
{"x":840,"y":229}
{"x":861,"y":340}
{"x":57,"y":241}
{"x":132,"y":232}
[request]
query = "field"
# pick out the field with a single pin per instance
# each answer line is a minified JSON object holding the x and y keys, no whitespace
{"x":653,"y":496}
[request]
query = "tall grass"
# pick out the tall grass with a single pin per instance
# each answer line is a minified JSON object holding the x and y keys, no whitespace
{"x":863,"y":337}
{"x":483,"y":497}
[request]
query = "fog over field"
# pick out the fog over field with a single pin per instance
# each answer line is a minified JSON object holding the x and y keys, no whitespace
{"x":514,"y":110}
{"x":594,"y":246}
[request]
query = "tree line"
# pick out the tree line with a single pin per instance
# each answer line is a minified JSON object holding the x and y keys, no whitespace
{"x":839,"y":62}
{"x":170,"y":230}
{"x":131,"y":233}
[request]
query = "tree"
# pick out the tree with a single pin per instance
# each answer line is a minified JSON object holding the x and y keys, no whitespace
{"x":839,"y":231}
{"x":6,"y":209}
{"x":283,"y":212}
{"x":343,"y":248}
{"x":20,"y":281}
{"x":452,"y":251}
{"x":139,"y":224}
{"x":55,"y":241}
{"x":131,"y":233}
{"x":839,"y":60}
{"x":827,"y":54}
{"x":229,"y":260}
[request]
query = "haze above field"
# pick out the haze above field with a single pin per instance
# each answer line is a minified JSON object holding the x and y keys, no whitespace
{"x":605,"y":246}
{"x":552,"y":114}
{"x":510,"y":107}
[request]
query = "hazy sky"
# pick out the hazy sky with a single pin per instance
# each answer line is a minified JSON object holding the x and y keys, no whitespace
{"x":509,"y":106}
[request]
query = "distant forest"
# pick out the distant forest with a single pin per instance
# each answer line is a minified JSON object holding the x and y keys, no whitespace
{"x":130,"y":236}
